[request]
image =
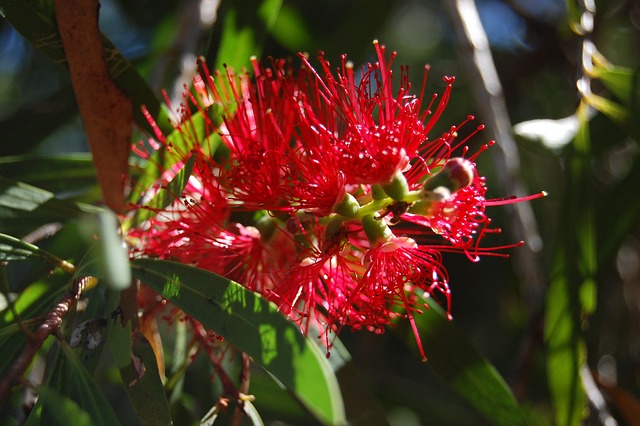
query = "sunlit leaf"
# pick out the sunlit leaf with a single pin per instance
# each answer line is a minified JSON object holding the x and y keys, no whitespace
{"x":611,"y":109}
{"x":255,"y":327}
{"x":455,"y":360}
{"x":243,"y":26}
{"x":624,"y":83}
{"x":572,"y":293}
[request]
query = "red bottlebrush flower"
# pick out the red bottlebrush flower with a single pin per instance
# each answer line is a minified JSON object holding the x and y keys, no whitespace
{"x":397,"y":271}
{"x":332,"y":160}
{"x":372,"y":130}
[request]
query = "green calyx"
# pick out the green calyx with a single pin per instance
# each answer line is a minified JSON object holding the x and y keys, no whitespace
{"x":398,"y":188}
{"x":377,"y":230}
{"x":347,"y":207}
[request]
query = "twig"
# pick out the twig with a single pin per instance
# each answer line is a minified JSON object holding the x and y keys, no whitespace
{"x":51,"y":323}
{"x":487,"y":90}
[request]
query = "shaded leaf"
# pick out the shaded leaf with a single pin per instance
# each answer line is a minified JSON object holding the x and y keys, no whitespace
{"x":32,"y":303}
{"x":254,"y":326}
{"x":142,"y":382}
{"x":24,"y":208}
{"x":70,"y":378}
{"x":63,"y":410}
{"x":457,"y":362}
{"x":627,"y":212}
{"x":108,"y":258}
{"x":35,"y":20}
{"x":167,"y":194}
{"x":51,"y":113}
{"x":73,"y":172}
{"x":12,"y":249}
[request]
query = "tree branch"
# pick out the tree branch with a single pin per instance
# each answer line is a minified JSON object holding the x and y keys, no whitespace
{"x":51,"y":323}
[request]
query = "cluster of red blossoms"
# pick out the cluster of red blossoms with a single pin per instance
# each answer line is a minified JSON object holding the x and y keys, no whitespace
{"x":322,"y":190}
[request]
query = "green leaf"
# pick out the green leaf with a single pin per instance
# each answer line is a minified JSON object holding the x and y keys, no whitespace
{"x":33,"y":302}
{"x":242,"y":28}
{"x":611,"y":109}
{"x":50,"y":113}
{"x":73,"y":173}
{"x":144,"y":386}
{"x":457,"y":362}
{"x":64,"y":411}
{"x":360,"y":405}
{"x":35,"y":20}
{"x":624,"y":83}
{"x":254,"y":326}
{"x":12,"y":249}
{"x":24,"y":208}
{"x":627,"y":209}
{"x":70,"y":378}
{"x":167,"y":194}
{"x":572,"y":291}
{"x":194,"y":133}
{"x":108,"y":259}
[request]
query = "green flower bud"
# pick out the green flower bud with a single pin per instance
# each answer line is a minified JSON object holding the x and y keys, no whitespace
{"x":457,"y":173}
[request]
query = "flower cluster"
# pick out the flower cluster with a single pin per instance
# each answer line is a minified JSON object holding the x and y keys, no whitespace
{"x":322,"y":190}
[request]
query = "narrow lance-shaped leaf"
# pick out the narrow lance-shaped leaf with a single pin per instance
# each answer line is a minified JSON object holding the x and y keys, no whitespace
{"x":456,"y":361}
{"x":572,"y":291}
{"x":24,"y":207}
{"x":73,"y":173}
{"x":70,"y":378}
{"x":254,"y":326}
{"x":12,"y":249}
{"x":143,"y":384}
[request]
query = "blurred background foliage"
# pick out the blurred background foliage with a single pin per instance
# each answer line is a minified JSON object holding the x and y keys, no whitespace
{"x":592,"y":206}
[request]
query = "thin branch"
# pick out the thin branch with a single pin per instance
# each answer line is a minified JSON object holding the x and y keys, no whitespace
{"x":50,"y":324}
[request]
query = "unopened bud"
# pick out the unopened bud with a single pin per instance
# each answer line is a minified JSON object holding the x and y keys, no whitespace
{"x":457,"y":173}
